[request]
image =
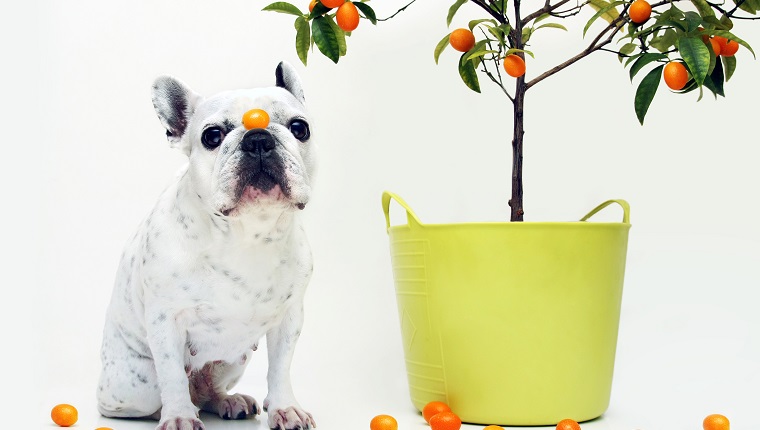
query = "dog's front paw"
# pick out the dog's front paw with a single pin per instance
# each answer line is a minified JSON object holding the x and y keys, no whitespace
{"x":178,"y":423}
{"x":237,"y":407}
{"x":290,"y":418}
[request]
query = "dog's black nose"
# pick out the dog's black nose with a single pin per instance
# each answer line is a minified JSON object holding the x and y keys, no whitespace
{"x":258,"y":141}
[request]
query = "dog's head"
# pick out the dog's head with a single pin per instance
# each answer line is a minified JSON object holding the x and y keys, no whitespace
{"x":235,"y":169}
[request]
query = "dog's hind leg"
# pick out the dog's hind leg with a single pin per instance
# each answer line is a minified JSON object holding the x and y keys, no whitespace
{"x":210,"y":384}
{"x":128,"y":386}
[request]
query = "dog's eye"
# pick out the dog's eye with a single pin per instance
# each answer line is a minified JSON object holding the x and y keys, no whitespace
{"x":212,"y":137}
{"x":300,"y":130}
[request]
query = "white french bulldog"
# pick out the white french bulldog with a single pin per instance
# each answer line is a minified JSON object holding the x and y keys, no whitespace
{"x":221,"y":261}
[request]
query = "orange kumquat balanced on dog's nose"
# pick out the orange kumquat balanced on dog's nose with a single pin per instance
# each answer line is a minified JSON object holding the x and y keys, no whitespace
{"x":255,"y":118}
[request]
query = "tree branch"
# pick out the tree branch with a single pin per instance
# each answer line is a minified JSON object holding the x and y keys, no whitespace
{"x":595,"y":45}
{"x":499,"y":17}
{"x":497,"y":81}
{"x":569,"y":12}
{"x":546,"y":9}
{"x":495,"y":58}
{"x":663,"y":2}
{"x":397,"y":12}
{"x":731,"y":12}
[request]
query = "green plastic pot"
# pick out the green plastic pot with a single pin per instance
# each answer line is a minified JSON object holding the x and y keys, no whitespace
{"x":512,"y":323}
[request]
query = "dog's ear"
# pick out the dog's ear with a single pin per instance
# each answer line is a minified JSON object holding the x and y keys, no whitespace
{"x":288,"y":78}
{"x":174,"y":103}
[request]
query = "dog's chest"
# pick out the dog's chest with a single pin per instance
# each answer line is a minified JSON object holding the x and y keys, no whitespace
{"x":239,"y":297}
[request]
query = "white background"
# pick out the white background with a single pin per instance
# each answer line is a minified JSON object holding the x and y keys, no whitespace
{"x":85,"y":158}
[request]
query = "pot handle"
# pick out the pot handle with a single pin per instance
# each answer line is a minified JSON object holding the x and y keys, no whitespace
{"x":410,"y":216}
{"x":624,"y":204}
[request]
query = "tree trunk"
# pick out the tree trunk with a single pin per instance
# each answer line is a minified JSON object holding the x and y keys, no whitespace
{"x":516,"y":202}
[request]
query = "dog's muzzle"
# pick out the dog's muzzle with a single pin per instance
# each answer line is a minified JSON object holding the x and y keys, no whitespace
{"x":261,"y":166}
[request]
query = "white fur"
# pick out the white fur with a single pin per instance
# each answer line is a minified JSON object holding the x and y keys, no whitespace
{"x":196,"y":290}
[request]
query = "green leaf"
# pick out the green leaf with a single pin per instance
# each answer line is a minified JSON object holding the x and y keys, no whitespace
{"x":628,"y":48}
{"x":325,"y":38}
{"x":730,"y":64}
{"x":303,"y":38}
{"x":453,"y":10}
{"x":498,"y":6}
{"x":368,"y":12}
{"x":696,"y":55}
{"x":340,"y":35}
{"x":644,"y":60}
{"x":479,"y":47}
{"x":474,"y":23}
{"x":541,"y":18}
{"x":283,"y":7}
{"x":440,"y":47}
{"x":631,"y":30}
{"x":690,"y":86}
{"x":603,"y":9}
{"x":610,"y":14}
{"x":526,"y":33}
{"x":319,"y":10}
{"x":646,"y":91}
{"x":474,"y":54}
{"x":632,"y":58}
{"x":703,"y":8}
{"x":693,"y":21}
{"x":672,"y":14}
{"x":677,"y":24}
{"x":666,"y":41}
{"x":514,"y":50}
{"x":714,"y":83}
{"x":749,"y":6}
{"x":726,"y":23}
{"x":500,"y":32}
{"x":731,"y":36}
{"x":476,"y":62}
{"x":469,"y":74}
{"x":552,"y":25}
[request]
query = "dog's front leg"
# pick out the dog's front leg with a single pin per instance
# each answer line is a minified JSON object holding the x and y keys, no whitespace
{"x":167,"y":343}
{"x":283,"y":410}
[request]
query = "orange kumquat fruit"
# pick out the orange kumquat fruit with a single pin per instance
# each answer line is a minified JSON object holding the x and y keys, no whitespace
{"x":729,"y":49}
{"x":64,"y":415}
{"x":434,"y":408}
{"x":675,"y":74}
{"x":255,"y":118}
{"x":514,"y":65}
{"x":715,"y":46}
{"x":568,"y":424}
{"x":640,"y":11}
{"x":383,"y":422}
{"x":332,"y":3}
{"x":715,"y":422}
{"x":462,"y":39}
{"x":445,"y":421}
{"x":347,"y":16}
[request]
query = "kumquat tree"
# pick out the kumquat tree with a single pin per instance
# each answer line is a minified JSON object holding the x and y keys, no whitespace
{"x":689,"y":44}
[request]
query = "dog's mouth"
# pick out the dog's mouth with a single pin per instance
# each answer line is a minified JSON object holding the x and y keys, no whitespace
{"x":259,"y":189}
